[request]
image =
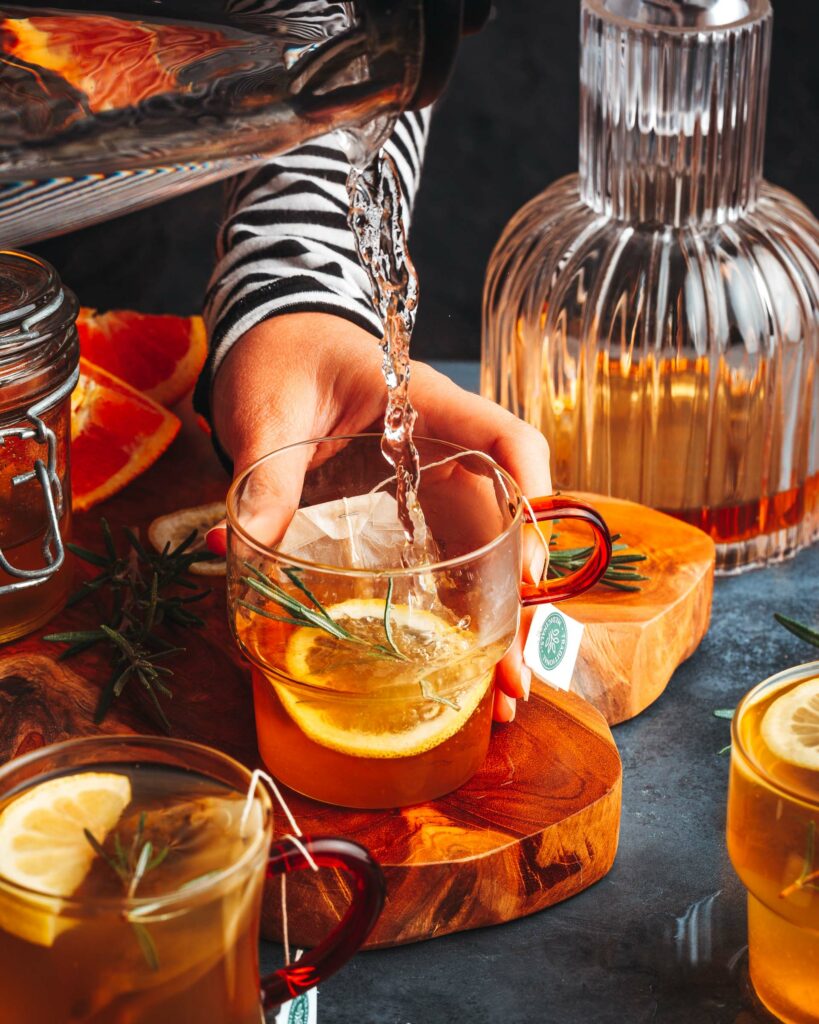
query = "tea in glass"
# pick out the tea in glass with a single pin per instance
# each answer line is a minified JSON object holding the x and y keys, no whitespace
{"x":99,"y":930}
{"x":773,"y":838}
{"x":373,"y":654}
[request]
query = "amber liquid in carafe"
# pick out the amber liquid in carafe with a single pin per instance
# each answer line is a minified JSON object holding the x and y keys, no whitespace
{"x":673,"y":434}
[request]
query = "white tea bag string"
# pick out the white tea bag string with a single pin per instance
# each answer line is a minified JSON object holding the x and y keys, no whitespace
{"x":528,"y":506}
{"x":295,"y":838}
{"x":474,"y":451}
{"x":443,"y":462}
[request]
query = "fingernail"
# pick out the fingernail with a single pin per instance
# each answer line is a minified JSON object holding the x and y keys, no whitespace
{"x":525,"y":680}
{"x":216,"y":539}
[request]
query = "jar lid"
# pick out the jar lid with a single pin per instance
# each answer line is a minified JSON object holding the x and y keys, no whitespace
{"x":38,"y":341}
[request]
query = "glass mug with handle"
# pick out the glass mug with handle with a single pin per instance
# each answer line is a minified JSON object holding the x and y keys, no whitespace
{"x":131,"y":876}
{"x":373,"y":658}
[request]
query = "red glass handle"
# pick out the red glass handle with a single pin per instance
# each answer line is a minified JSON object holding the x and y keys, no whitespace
{"x":561,"y":507}
{"x":349,"y":934}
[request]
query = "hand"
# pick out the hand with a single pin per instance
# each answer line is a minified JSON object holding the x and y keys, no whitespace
{"x":307,"y":375}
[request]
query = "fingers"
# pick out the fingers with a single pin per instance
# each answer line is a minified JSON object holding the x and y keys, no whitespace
{"x":449,"y":413}
{"x":503,"y":707}
{"x":512,"y":676}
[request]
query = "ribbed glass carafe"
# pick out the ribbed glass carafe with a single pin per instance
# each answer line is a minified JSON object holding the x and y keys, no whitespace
{"x":657,"y":315}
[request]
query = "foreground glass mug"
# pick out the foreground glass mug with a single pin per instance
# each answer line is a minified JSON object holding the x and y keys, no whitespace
{"x":180,"y":943}
{"x":373,"y":662}
{"x":773,"y":840}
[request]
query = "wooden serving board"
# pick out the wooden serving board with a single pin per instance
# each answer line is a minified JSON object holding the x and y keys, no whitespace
{"x":632,"y":643}
{"x":537,"y":824}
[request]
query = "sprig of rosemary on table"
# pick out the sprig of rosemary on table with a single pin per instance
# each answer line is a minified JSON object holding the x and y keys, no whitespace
{"x":140,"y":589}
{"x":131,"y":865}
{"x":619,"y":575}
{"x":804,"y":632}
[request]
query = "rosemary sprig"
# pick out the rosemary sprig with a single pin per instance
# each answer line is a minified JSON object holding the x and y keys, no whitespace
{"x":131,"y":865}
{"x":809,"y":876}
{"x":140,"y":591}
{"x":804,"y":632}
{"x":727,"y":713}
{"x":619,"y":575}
{"x":317,"y":616}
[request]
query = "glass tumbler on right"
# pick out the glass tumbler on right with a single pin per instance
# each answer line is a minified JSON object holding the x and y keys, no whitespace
{"x":773,"y":837}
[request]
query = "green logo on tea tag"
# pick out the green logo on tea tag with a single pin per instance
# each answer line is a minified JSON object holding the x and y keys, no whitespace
{"x":553,"y":640}
{"x":299,"y":1011}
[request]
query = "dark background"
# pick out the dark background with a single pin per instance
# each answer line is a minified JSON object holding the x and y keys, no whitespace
{"x":506,"y":129}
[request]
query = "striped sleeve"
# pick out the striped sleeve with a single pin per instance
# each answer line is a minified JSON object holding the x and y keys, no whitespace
{"x":285,"y":246}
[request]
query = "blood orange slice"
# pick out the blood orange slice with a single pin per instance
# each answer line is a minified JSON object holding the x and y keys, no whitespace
{"x":116,"y":434}
{"x":159,"y":355}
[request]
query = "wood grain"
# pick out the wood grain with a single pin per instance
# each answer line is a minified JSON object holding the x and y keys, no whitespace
{"x":633,"y":642}
{"x":538,"y":823}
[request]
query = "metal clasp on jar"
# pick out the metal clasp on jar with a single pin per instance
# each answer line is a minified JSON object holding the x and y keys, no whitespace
{"x":45,"y":472}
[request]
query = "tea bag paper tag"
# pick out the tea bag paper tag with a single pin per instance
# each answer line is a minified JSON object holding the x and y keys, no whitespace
{"x":552,"y":646}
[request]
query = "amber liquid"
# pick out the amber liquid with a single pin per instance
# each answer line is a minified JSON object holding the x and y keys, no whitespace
{"x":372,"y":732}
{"x":769,"y":840}
{"x":95,"y":971}
{"x":703,"y":444}
{"x":22,"y":527}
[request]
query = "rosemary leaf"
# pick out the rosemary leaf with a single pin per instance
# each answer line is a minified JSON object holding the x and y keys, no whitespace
{"x":269,"y":615}
{"x":86,"y":555}
{"x":429,"y":695}
{"x":798,"y":629}
{"x":146,"y":944}
{"x":293,"y":575}
{"x":387,"y":623}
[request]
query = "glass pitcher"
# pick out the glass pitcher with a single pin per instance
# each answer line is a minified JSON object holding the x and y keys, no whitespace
{"x":155,"y":99}
{"x":657,"y":314}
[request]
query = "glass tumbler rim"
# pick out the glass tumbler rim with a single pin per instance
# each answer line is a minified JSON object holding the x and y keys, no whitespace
{"x":805,"y":671}
{"x":179,"y":898}
{"x":513,"y":489}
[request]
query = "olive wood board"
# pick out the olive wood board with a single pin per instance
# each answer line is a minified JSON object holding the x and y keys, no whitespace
{"x":633,"y":642}
{"x":537,"y":824}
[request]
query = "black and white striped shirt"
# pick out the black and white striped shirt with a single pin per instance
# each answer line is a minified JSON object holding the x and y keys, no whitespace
{"x":285,"y":246}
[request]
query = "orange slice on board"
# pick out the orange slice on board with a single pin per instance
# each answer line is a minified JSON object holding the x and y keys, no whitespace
{"x":116,"y":434}
{"x":159,"y":355}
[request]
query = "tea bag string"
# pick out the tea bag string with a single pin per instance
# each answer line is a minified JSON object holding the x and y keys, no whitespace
{"x":295,"y":838}
{"x":474,"y":451}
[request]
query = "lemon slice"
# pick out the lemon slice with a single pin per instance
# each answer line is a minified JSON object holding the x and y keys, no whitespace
{"x":403,"y":724}
{"x":790,"y":727}
{"x":43,"y":846}
{"x":173,"y":528}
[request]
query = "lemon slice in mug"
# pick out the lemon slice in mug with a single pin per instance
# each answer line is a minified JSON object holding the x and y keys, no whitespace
{"x":364,"y":723}
{"x":43,"y":845}
{"x":790,"y":726}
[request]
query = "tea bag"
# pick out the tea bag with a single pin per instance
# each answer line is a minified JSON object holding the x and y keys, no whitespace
{"x":362,"y":532}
